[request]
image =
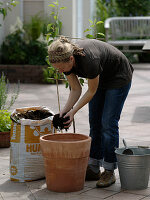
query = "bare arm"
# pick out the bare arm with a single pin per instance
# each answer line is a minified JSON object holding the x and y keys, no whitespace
{"x":75,"y":93}
{"x":92,"y":88}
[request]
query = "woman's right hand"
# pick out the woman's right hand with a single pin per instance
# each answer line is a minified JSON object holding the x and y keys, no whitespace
{"x":62,"y":113}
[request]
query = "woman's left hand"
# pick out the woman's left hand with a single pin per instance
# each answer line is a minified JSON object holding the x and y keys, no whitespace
{"x":70,"y":114}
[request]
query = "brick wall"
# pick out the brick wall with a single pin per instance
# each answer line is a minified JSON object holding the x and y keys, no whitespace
{"x":24,"y":73}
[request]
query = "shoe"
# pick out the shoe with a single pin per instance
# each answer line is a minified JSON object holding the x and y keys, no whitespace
{"x":92,"y":176}
{"x":107,"y":178}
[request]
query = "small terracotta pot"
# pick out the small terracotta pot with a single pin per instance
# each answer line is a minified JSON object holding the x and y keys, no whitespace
{"x":4,"y":139}
{"x":65,"y":158}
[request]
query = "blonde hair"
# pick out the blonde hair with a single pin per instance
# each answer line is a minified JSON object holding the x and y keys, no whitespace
{"x":61,"y":49}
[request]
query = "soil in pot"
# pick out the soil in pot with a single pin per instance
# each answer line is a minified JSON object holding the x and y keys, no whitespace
{"x":4,"y":139}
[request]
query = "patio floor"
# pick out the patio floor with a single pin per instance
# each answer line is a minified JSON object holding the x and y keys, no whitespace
{"x":134,"y":127}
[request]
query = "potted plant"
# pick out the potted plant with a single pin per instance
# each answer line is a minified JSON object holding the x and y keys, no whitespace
{"x":5,"y":126}
{"x":5,"y":121}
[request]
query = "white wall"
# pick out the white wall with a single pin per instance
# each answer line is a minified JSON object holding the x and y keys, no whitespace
{"x":1,"y":29}
{"x":31,"y":8}
{"x":11,"y":19}
{"x":74,"y":18}
{"x":65,"y":15}
{"x":87,"y":13}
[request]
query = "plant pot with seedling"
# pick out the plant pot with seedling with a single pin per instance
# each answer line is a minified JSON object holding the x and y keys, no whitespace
{"x":5,"y":125}
{"x":5,"y":104}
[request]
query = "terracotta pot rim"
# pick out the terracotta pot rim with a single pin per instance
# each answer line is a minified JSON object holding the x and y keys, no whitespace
{"x":87,"y":138}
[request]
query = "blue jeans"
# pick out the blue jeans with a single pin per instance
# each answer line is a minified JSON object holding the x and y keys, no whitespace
{"x":104,"y":114}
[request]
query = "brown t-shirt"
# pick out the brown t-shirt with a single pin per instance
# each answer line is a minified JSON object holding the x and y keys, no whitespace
{"x":105,"y":60}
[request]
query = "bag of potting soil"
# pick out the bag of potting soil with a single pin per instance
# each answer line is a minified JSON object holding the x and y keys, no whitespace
{"x":28,"y":124}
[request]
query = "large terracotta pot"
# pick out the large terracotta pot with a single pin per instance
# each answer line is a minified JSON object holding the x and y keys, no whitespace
{"x":5,"y":139}
{"x":65,"y":158}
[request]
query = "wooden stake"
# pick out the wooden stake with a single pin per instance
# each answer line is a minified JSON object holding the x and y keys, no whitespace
{"x":58,"y":95}
{"x":74,"y":129}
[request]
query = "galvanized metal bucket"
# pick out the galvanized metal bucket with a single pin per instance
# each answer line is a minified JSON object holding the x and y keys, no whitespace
{"x":134,"y":169}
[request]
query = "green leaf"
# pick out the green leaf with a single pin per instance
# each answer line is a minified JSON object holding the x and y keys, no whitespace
{"x":16,"y":2}
{"x":99,"y":22}
{"x":91,"y":21}
{"x":101,"y":34}
{"x":67,"y":84}
{"x":13,"y":4}
{"x":57,"y":31}
{"x":89,"y":36}
{"x":47,"y":60}
{"x":52,"y":5}
{"x":61,"y":8}
{"x":5,"y":121}
{"x":47,"y":37}
{"x":94,"y":20}
{"x":52,"y":13}
{"x":50,"y":42}
{"x":87,"y":30}
{"x":60,"y":24}
{"x":55,"y":17}
{"x":4,"y":12}
{"x":49,"y":26}
{"x":56,"y":3}
{"x":92,"y":25}
{"x":81,"y":81}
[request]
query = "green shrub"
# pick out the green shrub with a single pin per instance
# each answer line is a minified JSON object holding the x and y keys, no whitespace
{"x":50,"y":75}
{"x":132,"y":57}
{"x":23,"y":45}
{"x":36,"y":53}
{"x":104,"y":9}
{"x":5,"y":121}
{"x":47,"y":75}
{"x":133,"y":7}
{"x":13,"y":49}
{"x":34,"y":28}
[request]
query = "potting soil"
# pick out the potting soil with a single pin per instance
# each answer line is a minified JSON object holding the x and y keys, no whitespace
{"x":58,"y":122}
{"x":33,"y":114}
{"x":26,"y":160}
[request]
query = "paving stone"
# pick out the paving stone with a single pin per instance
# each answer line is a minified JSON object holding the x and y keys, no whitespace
{"x":115,"y":187}
{"x":14,"y":196}
{"x":146,"y":198}
{"x":39,"y":184}
{"x":145,"y":192}
{"x":1,"y":197}
{"x":90,"y":184}
{"x":125,"y":196}
{"x":99,"y":193}
{"x":44,"y":194}
{"x":84,"y":197}
{"x":4,"y":153}
{"x":12,"y":190}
